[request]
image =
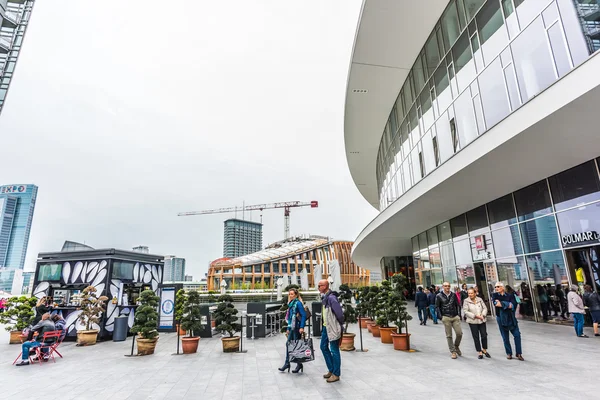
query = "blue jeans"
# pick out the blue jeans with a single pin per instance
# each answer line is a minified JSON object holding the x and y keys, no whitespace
{"x":433,"y":313}
{"x":331,"y":353}
{"x":578,"y":323}
{"x":505,"y":333}
{"x":293,"y":335}
{"x":26,"y":348}
{"x":422,"y":313}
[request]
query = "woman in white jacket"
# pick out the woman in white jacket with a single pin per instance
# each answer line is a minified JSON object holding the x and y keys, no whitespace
{"x":475,"y":310}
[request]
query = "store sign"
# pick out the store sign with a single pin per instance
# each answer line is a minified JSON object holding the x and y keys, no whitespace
{"x":13,"y":189}
{"x":480,"y":242}
{"x":581,"y":237}
{"x":485,"y":255}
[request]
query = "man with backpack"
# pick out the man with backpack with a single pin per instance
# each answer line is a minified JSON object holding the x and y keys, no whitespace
{"x":448,"y":304}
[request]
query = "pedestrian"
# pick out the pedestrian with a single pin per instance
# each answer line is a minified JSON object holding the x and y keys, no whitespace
{"x":432,"y":309}
{"x":422,"y":304}
{"x":2,"y":304}
{"x":475,"y":311}
{"x":447,"y":302}
{"x":296,"y":319}
{"x":506,"y":305}
{"x":331,"y":335}
{"x":562,"y":301}
{"x":543,"y":299}
{"x":576,"y":308}
{"x":591,"y":300}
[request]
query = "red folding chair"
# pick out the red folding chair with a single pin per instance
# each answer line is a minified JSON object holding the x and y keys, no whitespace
{"x":48,"y":341}
{"x":58,"y":342}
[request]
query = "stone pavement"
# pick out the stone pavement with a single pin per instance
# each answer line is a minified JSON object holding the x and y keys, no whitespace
{"x":558,"y":365}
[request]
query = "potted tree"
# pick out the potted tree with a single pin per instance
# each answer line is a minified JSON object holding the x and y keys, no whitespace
{"x":346,"y":295}
{"x":371,"y":306}
{"x":18,"y":315}
{"x":226,"y":320}
{"x":362,"y":305}
{"x":180,"y":299}
{"x":191,"y":322}
{"x":385,"y":313}
{"x":401,"y":316}
{"x":92,"y":306}
{"x":146,"y":322}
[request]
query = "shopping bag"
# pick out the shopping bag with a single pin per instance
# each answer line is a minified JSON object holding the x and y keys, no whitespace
{"x":301,"y":350}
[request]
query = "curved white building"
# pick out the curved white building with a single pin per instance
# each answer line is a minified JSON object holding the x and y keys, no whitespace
{"x":472,"y":125}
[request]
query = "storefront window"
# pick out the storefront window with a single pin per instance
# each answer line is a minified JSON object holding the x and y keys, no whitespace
{"x":465,"y":274}
{"x":507,"y":242}
{"x":462,"y":252}
{"x":444,"y":232}
{"x":575,"y":186}
{"x":533,"y":201}
{"x":502,"y":212}
{"x":547,"y":268}
{"x":432,"y":237}
{"x":513,"y":273}
{"x":415,"y":244}
{"x":580,"y":226}
{"x":477,"y":221}
{"x":540,"y":234}
{"x":458,"y":226}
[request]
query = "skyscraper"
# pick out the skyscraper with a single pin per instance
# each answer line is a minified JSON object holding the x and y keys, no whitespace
{"x":17,"y":203}
{"x":174,"y":269}
{"x":14,"y":18}
{"x":241,"y":238}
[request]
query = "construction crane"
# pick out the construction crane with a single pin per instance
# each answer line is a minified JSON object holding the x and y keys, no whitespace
{"x":259,"y":207}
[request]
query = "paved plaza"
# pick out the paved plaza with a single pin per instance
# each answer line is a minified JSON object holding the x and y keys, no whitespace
{"x":558,"y":365}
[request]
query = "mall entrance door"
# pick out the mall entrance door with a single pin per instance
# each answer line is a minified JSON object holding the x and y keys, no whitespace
{"x":481,"y":281}
{"x":584,"y":266}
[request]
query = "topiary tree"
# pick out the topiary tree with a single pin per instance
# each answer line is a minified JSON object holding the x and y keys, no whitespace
{"x":92,"y":306}
{"x":192,"y":317}
{"x":146,"y":315}
{"x":180,"y":299}
{"x":382,"y":306}
{"x":225,"y":316}
{"x":371,"y":301}
{"x":18,"y":313}
{"x":346,"y":295}
{"x":400,"y":316}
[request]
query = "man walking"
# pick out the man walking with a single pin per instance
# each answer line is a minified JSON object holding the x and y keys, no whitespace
{"x":431,"y":300}
{"x":447,"y":302}
{"x":421,"y":303}
{"x":331,"y":336}
{"x":506,"y":304}
{"x":577,"y":310}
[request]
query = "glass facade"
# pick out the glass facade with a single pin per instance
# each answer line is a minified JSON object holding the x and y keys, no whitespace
{"x":483,"y":60}
{"x":241,"y":237}
{"x":534,"y":240}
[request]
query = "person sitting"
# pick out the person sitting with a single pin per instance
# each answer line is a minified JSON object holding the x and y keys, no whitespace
{"x":45,"y":325}
{"x":60,"y":325}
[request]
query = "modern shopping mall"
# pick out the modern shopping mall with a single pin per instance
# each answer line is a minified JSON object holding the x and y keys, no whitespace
{"x":472,"y":126}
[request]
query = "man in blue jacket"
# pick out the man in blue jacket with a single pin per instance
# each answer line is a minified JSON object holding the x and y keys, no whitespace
{"x":422,"y":303}
{"x":331,"y":335}
{"x":431,"y":301}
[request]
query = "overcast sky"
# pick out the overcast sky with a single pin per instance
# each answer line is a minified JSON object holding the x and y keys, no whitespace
{"x":125,"y":113}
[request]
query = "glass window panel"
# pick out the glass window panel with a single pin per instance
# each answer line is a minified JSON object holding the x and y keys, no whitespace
{"x":400,"y":108}
{"x":426,"y":110}
{"x":578,"y":185}
{"x":539,"y":234}
{"x":507,"y":242}
{"x":408,"y":182}
{"x":580,"y":226}
{"x":423,"y":241}
{"x":513,"y":90}
{"x":533,"y":61}
{"x":459,"y":226}
{"x":489,"y":20}
{"x":461,"y":53}
{"x":414,"y":154}
{"x":513,"y":273}
{"x":413,"y":122}
{"x":493,"y":94}
{"x":444,"y":137}
{"x":501,"y":212}
{"x":450,"y":25}
{"x":471,"y":7}
{"x":419,"y":74}
{"x":432,"y":53}
{"x":533,"y":201}
{"x":477,"y":219}
{"x":570,"y":22}
{"x":407,"y":97}
{"x":466,"y":125}
{"x":508,"y":8}
{"x":415,"y":244}
{"x":547,"y":268}
{"x":462,"y":252}
{"x":442,"y":90}
{"x":528,"y":10}
{"x":432,"y":237}
{"x":444,"y":232}
{"x":428,"y":152}
{"x":479,"y":114}
{"x":559,"y":50}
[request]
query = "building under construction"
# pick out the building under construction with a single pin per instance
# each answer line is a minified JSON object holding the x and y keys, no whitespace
{"x":291,"y":257}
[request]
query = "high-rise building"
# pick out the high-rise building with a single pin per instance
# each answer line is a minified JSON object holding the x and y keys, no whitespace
{"x":17,"y":203}
{"x":188,"y":278}
{"x":14,"y":18}
{"x":142,"y":249}
{"x":241,"y":237}
{"x":174,"y":269}
{"x":482,"y":158}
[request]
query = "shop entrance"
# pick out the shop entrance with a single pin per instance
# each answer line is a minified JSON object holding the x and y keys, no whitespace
{"x":481,"y":281}
{"x":584,"y":266}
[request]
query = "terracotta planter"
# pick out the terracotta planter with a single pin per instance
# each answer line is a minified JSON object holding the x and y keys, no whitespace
{"x":16,"y":337}
{"x":87,"y":338}
{"x":370,"y":325}
{"x":386,"y":334}
{"x":190,"y":344}
{"x":231,"y":344}
{"x":146,"y":347}
{"x":182,"y":331}
{"x":364,"y":322}
{"x":401,"y":341}
{"x":348,"y":342}
{"x":375,"y":330}
{"x":213,"y":323}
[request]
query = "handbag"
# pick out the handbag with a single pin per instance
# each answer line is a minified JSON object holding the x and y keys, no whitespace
{"x":301,"y":350}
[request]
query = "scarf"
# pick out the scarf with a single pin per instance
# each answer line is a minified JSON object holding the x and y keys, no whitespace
{"x":292,"y":311}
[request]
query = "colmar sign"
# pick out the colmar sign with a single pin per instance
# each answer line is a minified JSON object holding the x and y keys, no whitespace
{"x":575,"y":238}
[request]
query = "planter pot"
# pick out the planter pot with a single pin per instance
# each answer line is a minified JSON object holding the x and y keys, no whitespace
{"x":364,"y":322}
{"x":401,"y":341}
{"x":16,"y":337}
{"x":375,"y":330}
{"x":348,"y":342}
{"x":231,"y":344}
{"x":386,"y":334}
{"x":87,"y":338}
{"x":146,"y":347}
{"x":370,"y":325}
{"x":189,"y":344}
{"x":213,"y":323}
{"x":182,"y":331}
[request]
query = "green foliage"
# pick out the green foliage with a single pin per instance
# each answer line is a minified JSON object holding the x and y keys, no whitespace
{"x":382,"y":309}
{"x":226,"y":316}
{"x":180,"y":299}
{"x":397,"y":303}
{"x":192,"y":318}
{"x":91,"y":307}
{"x":368,"y":301}
{"x":350,"y":315}
{"x":18,"y":313}
{"x":146,"y":315}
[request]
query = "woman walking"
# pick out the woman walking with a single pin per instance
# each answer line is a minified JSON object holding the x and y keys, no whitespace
{"x":475,"y":312}
{"x":296,"y":318}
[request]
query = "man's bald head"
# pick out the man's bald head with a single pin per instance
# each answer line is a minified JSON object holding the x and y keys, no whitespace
{"x":323,"y":286}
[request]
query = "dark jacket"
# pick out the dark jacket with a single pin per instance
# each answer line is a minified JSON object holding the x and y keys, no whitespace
{"x":330,"y":300}
{"x":431,"y":298}
{"x":592,"y":301}
{"x":421,"y":300}
{"x":448,"y":305}
{"x":506,"y":297}
{"x":41,"y":328}
{"x":505,"y":314}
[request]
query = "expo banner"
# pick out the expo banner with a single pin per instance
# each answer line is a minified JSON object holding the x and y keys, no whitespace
{"x":167,"y":308}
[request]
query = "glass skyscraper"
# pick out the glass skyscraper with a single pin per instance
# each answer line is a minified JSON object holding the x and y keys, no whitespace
{"x":241,"y":238}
